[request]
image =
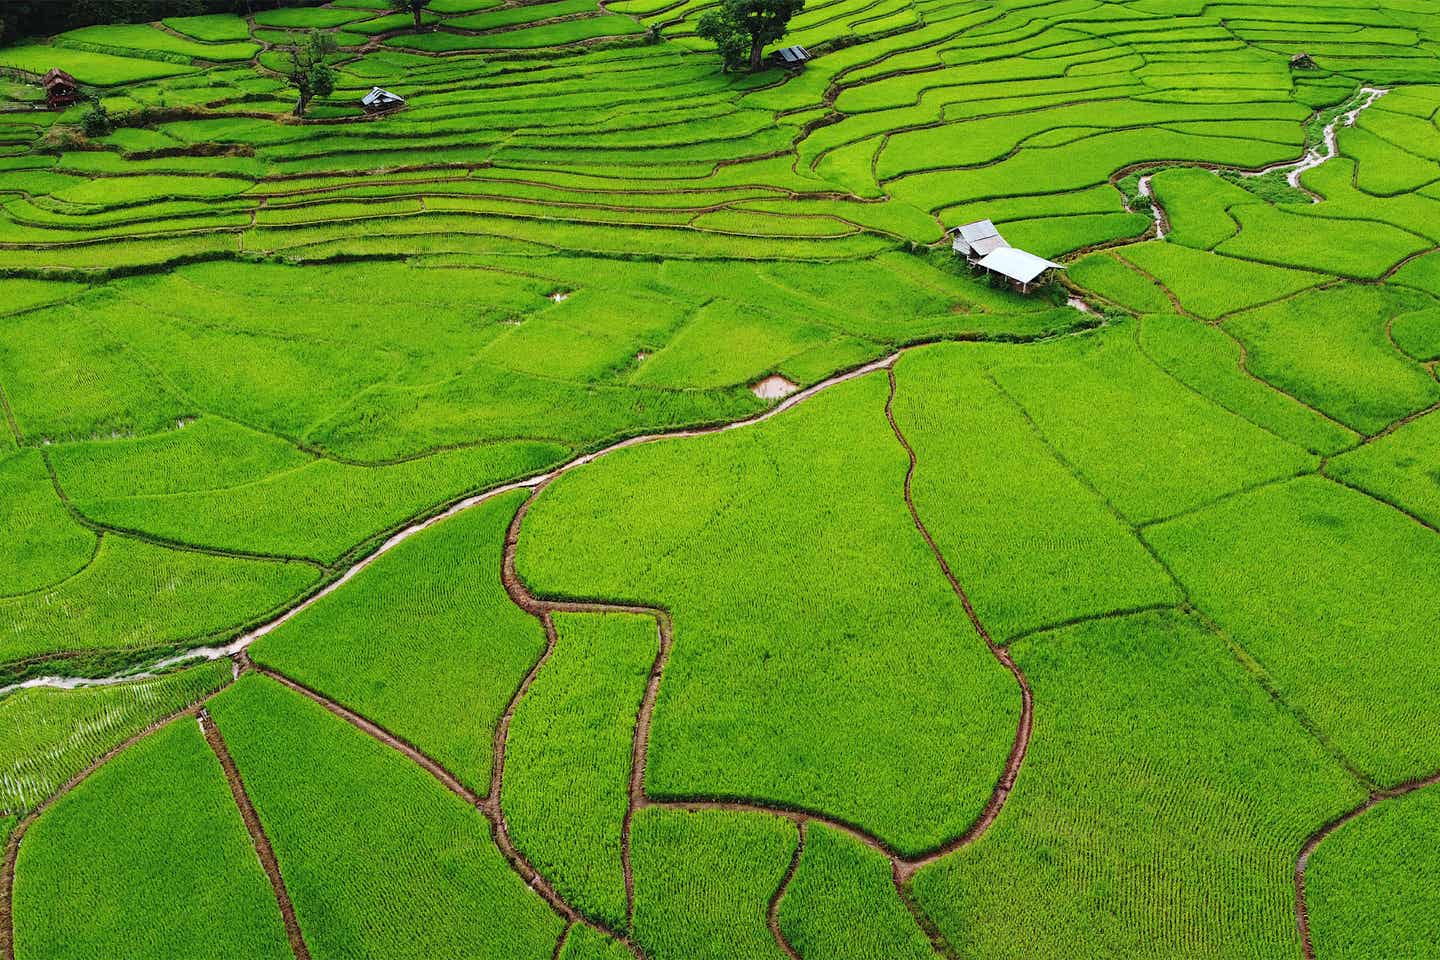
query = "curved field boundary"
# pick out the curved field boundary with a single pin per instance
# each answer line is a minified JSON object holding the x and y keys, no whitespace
{"x":257,"y":834}
{"x":239,"y":643}
{"x":1016,"y":758}
{"x":1302,"y":913}
{"x":12,"y":848}
{"x":772,"y":911}
{"x":489,"y":807}
{"x":903,"y":867}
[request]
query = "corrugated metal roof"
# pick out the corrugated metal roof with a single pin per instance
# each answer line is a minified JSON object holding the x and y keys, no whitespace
{"x":987,"y":244}
{"x":978,"y":230}
{"x":796,"y":54}
{"x":378,"y":95}
{"x":1018,"y":265}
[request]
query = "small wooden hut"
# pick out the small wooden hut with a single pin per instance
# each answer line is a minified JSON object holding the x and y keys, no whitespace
{"x":61,"y":89}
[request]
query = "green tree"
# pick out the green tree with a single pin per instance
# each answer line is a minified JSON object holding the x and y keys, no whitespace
{"x":309,"y":73}
{"x":742,"y":27}
{"x":96,"y":120}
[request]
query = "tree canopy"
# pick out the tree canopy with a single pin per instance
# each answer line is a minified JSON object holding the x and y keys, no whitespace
{"x":309,"y":73}
{"x":740,"y":29}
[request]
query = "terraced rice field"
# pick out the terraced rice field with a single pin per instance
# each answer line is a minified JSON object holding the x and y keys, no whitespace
{"x":592,"y":511}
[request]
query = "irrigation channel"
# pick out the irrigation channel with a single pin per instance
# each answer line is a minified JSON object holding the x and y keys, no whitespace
{"x":902,"y":867}
{"x":1326,"y":149}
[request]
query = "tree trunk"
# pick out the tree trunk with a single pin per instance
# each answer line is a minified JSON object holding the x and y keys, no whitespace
{"x":757,"y":47}
{"x":301,"y":104}
{"x":418,"y":24}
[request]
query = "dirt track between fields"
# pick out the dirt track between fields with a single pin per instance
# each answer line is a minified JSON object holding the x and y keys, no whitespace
{"x":489,"y":806}
{"x":1302,"y":912}
{"x":257,"y":834}
{"x":12,"y":847}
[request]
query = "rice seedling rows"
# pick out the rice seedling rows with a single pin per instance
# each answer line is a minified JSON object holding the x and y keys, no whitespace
{"x":1055,"y":630}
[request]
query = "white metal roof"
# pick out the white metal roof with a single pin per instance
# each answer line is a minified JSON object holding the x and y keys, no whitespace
{"x":1018,"y":265}
{"x":377,"y":95}
{"x":986,"y":245}
{"x":978,"y":230}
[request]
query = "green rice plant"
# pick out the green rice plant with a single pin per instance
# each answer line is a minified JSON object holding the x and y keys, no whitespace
{"x":1271,"y":235}
{"x":379,"y":858}
{"x":18,"y":295}
{"x":1101,"y":198}
{"x":345,"y":504}
{"x":50,"y":735}
{"x":1368,"y":885}
{"x":852,"y":166}
{"x":1209,"y":362}
{"x":842,"y":903}
{"x":1399,"y":468}
{"x":592,"y":334}
{"x":567,"y":769}
{"x":1057,"y":236}
{"x":748,"y":705}
{"x":122,"y":255}
{"x":462,"y":6}
{"x":1382,"y":167}
{"x":1335,"y":181}
{"x":1123,"y":424}
{"x":742,"y":223}
{"x":1103,"y":275}
{"x":100,"y":69}
{"x":135,"y":595}
{"x":211,"y":28}
{"x":702,"y":882}
{"x":1196,"y":204}
{"x":67,"y":377}
{"x":1211,"y":286}
{"x":140,"y":39}
{"x":1160,"y":811}
{"x":429,"y":653}
{"x":1418,"y":333}
{"x":41,"y":544}
{"x":437,"y":42}
{"x":1423,"y":272}
{"x":210,"y":453}
{"x":526,"y":13}
{"x":994,"y":505}
{"x":757,"y":343}
{"x":557,"y":34}
{"x":308,"y":18}
{"x":1329,"y":349}
{"x":1325,"y":587}
{"x":489,"y":402}
{"x":156,"y":828}
{"x":587,"y":943}
{"x":1084,"y":163}
{"x":394,"y":21}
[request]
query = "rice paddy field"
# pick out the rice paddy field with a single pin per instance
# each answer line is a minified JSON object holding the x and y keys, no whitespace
{"x":593,"y":510}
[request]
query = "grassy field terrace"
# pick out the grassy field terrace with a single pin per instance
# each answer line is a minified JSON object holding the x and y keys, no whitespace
{"x":592,"y":512}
